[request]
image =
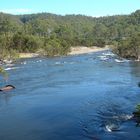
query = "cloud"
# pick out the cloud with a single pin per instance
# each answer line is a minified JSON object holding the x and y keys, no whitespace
{"x":17,"y":11}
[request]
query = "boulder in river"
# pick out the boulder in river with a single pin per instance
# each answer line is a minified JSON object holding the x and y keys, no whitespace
{"x":7,"y":88}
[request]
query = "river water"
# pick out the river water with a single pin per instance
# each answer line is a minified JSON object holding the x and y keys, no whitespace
{"x":83,"y":97}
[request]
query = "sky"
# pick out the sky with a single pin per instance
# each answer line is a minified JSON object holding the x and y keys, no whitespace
{"x":93,"y":8}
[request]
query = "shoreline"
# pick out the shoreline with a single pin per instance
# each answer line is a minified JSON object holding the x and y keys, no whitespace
{"x":74,"y":51}
{"x":28,"y":55}
{"x":84,"y":50}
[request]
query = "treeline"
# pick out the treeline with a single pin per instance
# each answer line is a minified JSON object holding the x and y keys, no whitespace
{"x":129,"y":47}
{"x":51,"y":34}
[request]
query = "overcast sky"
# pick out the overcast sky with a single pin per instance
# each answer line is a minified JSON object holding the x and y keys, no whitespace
{"x":93,"y":8}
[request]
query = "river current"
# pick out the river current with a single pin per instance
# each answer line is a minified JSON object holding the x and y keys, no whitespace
{"x":83,"y":97}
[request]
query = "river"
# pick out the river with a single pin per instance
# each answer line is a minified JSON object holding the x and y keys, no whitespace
{"x":83,"y":97}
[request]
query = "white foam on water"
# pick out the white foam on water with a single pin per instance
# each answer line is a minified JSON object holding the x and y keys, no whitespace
{"x":128,"y":117}
{"x":104,"y":59}
{"x":123,"y":117}
{"x":115,"y":127}
{"x":108,"y":128}
{"x":112,"y":127}
{"x":11,"y":68}
{"x":24,"y":63}
{"x":119,"y":61}
{"x":102,"y":56}
{"x":57,"y":63}
{"x":39,"y":61}
{"x":108,"y":54}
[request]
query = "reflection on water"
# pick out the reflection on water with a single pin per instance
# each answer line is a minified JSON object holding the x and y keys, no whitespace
{"x":89,"y":96}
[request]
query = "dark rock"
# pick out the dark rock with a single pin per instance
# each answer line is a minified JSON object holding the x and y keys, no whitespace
{"x":136,"y":117}
{"x":139,"y":84}
{"x":136,"y":114}
{"x":7,"y":88}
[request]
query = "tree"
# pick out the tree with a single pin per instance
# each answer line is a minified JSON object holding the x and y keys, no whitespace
{"x":129,"y":47}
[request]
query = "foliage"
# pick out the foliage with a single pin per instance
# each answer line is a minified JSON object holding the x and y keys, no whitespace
{"x":138,"y":108}
{"x":129,"y":47}
{"x":53,"y":34}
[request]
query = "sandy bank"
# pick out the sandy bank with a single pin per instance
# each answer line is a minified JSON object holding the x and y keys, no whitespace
{"x":74,"y":51}
{"x":28,"y":55}
{"x":82,"y":50}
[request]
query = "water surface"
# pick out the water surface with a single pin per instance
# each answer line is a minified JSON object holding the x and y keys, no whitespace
{"x":71,"y":98}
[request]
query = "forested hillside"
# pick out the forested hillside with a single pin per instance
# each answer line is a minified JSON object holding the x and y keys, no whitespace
{"x":51,"y":34}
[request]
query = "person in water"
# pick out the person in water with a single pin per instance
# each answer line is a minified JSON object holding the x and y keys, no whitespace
{"x":7,"y":88}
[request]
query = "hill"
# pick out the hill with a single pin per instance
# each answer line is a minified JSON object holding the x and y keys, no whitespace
{"x":51,"y":34}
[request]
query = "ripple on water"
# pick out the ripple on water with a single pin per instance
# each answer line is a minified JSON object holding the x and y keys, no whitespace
{"x":105,"y":121}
